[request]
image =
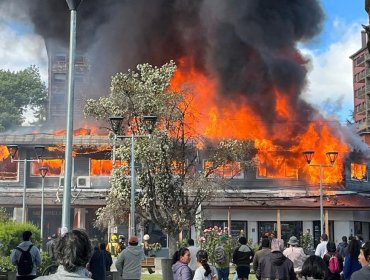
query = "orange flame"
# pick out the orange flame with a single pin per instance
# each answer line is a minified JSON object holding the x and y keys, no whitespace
{"x":236,"y":119}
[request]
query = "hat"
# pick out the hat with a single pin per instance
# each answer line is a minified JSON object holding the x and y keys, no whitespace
{"x":53,"y":236}
{"x":133,"y":239}
{"x":146,"y":237}
{"x":277,"y":245}
{"x":293,"y":240}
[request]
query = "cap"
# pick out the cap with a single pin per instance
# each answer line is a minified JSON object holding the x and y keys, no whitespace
{"x":146,"y":237}
{"x":133,"y":239}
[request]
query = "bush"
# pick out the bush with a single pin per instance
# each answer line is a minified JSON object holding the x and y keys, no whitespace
{"x":6,"y":265}
{"x":11,"y":235}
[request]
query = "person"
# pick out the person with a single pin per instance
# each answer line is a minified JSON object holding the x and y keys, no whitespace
{"x":73,"y":251}
{"x":122,"y":242}
{"x":180,"y":268}
{"x":223,"y":264}
{"x":242,"y":257}
{"x":295,"y":254}
{"x":35,"y":255}
{"x":97,"y":264}
{"x":193,"y":255}
{"x":113,"y":245}
{"x":314,"y":267}
{"x":360,"y":239}
{"x":108,"y":256}
{"x":275,"y":265}
{"x":364,"y":259}
{"x":342,"y":247}
{"x":128,"y":263}
{"x":332,"y":252}
{"x":321,"y":248}
{"x":204,"y":270}
{"x":351,"y":263}
{"x":146,"y":244}
{"x":50,"y":247}
{"x":265,"y":250}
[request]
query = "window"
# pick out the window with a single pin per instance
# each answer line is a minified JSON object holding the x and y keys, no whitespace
{"x":103,"y":167}
{"x":59,"y":78}
{"x":8,"y":169}
{"x":358,"y":171}
{"x":55,"y":167}
{"x":227,"y":170}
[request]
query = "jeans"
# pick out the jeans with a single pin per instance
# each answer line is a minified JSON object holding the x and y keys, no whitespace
{"x":223,"y":273}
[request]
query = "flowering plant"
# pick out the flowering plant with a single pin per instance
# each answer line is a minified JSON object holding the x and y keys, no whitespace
{"x":210,"y":239}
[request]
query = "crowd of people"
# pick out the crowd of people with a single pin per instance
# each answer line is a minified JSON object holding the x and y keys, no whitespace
{"x":78,"y":258}
{"x":346,"y":261}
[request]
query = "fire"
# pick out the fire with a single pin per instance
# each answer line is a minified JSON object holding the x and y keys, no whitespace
{"x":358,"y":171}
{"x":4,"y":153}
{"x":217,"y":119}
{"x":55,"y":167}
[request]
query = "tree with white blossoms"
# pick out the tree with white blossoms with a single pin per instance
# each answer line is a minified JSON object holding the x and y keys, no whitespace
{"x":172,"y":187}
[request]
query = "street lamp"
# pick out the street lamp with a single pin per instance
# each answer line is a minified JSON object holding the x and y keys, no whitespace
{"x":116,"y":123}
{"x":13,"y":149}
{"x":332,"y":156}
{"x":43,"y":171}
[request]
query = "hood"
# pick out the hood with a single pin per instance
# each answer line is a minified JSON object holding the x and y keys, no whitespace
{"x":177,"y":266}
{"x":277,"y":258}
{"x":244,"y":248}
{"x":135,"y":250}
{"x":24,"y":245}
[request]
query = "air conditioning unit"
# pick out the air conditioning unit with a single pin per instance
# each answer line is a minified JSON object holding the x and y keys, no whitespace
{"x":83,"y":182}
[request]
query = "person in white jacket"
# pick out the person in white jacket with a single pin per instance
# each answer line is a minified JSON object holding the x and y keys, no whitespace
{"x":128,"y":263}
{"x":204,"y":270}
{"x":295,"y":254}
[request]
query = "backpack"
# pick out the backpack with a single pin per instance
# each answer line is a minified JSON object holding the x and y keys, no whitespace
{"x":25,"y":262}
{"x":334,"y":264}
{"x":220,"y":255}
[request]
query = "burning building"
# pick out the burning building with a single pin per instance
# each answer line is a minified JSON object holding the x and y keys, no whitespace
{"x":241,"y":60}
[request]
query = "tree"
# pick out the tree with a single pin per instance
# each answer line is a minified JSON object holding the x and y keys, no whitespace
{"x":19,"y":91}
{"x":171,"y":185}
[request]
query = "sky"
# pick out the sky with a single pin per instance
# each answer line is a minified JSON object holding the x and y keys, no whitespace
{"x":329,"y":85}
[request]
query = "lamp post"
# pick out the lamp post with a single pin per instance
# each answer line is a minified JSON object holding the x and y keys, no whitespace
{"x":116,"y":123}
{"x":66,"y":208}
{"x":43,"y":171}
{"x":332,"y":156}
{"x":13,"y":149}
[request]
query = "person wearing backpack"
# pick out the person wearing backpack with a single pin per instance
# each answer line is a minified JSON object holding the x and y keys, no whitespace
{"x":26,"y":257}
{"x":222,"y":259}
{"x":242,"y":257}
{"x":334,"y":262}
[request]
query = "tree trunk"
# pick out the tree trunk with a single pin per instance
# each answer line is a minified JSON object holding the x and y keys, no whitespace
{"x":172,"y":244}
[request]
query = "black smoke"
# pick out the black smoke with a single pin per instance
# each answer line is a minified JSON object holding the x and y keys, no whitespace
{"x":250,"y":45}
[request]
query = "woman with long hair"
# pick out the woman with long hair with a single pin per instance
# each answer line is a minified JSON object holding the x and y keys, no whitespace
{"x":204,"y":270}
{"x":180,"y":268}
{"x":351,"y":263}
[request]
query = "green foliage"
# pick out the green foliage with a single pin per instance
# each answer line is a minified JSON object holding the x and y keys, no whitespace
{"x":3,"y":215}
{"x":306,"y":242}
{"x":45,"y":262}
{"x":5,"y":264}
{"x":19,"y":90}
{"x":11,"y":235}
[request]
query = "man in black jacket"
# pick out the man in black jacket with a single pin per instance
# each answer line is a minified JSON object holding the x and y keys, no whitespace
{"x":242,"y":257}
{"x":275,"y":265}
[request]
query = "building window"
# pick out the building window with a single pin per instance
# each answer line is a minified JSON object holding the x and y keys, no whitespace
{"x":227,"y":170}
{"x":103,"y":167}
{"x":55,"y":167}
{"x":359,"y":172}
{"x":59,"y":78}
{"x":8,"y":169}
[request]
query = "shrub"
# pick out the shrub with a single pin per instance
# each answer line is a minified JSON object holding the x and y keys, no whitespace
{"x":11,"y":235}
{"x":5,"y":264}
